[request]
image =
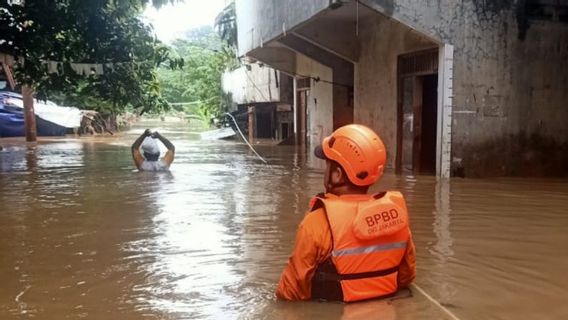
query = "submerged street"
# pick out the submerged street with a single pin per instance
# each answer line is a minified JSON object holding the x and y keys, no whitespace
{"x":84,"y":234}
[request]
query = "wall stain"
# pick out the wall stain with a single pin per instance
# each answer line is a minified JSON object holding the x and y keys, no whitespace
{"x":520,"y":154}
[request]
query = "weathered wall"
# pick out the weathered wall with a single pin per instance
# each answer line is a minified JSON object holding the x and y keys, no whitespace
{"x":335,"y":35}
{"x":510,"y":83}
{"x":510,"y":95}
{"x":514,"y":107}
{"x":259,"y":84}
{"x":382,"y":41}
{"x":320,"y":100}
{"x":260,"y":21}
{"x":286,"y":86}
{"x":343,"y":73}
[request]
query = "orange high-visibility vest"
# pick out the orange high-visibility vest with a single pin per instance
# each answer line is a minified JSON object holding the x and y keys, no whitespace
{"x":369,"y":236}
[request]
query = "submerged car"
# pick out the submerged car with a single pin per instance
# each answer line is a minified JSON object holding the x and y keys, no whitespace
{"x":51,"y":119}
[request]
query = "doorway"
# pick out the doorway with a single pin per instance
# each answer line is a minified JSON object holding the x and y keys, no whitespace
{"x":428,"y":125}
{"x":284,"y":128}
{"x":417,"y":112}
{"x":264,"y":123}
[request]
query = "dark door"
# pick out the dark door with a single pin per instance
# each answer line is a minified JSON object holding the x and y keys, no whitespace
{"x":429,"y":124}
{"x":284,"y":130}
{"x":419,"y":123}
{"x":417,"y":112}
{"x":263,"y":125}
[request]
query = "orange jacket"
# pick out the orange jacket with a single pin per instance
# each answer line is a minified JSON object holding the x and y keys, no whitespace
{"x":314,"y":245}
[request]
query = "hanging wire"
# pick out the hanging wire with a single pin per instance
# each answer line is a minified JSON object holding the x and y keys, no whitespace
{"x":256,"y":87}
{"x":245,"y":139}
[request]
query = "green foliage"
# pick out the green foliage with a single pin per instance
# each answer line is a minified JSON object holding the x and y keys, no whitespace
{"x":199,"y":83}
{"x":94,"y":31}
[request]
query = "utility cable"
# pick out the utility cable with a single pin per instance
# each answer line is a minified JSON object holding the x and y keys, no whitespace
{"x":434,"y":301}
{"x":316,"y":78}
{"x":294,"y":74}
{"x":256,"y":87}
{"x":245,"y":139}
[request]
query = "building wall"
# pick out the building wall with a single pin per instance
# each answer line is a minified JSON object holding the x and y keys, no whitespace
{"x":259,"y":84}
{"x":514,"y":107}
{"x":260,"y":21}
{"x":510,"y":80}
{"x":382,"y":41}
{"x":510,"y":84}
{"x":320,"y":99}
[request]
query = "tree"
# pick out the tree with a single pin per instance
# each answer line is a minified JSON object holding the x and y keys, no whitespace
{"x":94,"y":31}
{"x":226,"y":25}
{"x":206,"y":58}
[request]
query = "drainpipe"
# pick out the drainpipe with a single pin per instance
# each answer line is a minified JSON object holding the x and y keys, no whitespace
{"x":295,"y":104}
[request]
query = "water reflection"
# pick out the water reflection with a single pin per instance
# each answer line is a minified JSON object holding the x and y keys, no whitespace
{"x":442,"y":249}
{"x":83,"y":234}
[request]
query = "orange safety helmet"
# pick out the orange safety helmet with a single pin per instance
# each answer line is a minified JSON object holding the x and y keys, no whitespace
{"x":359,"y":151}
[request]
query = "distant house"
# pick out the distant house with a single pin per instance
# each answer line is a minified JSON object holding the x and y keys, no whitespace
{"x":474,"y":88}
{"x":267,"y":95}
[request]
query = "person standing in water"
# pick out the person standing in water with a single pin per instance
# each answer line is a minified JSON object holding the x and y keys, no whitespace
{"x":352,"y":245}
{"x":150,"y":160}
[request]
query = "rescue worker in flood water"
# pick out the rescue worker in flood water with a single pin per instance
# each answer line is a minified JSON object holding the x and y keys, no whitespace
{"x":351,"y":246}
{"x":151,"y":161}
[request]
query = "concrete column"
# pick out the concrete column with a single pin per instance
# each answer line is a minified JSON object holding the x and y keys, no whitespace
{"x":251,"y":123}
{"x":445,"y":95}
{"x":300,"y":117}
{"x":295,"y":105}
{"x":302,"y":120}
{"x":29,"y":114}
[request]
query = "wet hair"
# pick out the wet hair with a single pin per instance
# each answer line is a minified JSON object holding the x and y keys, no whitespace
{"x":334,"y":165}
{"x":152,"y":156}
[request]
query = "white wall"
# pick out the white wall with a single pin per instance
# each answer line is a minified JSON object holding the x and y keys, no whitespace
{"x":382,"y":41}
{"x":320,"y":100}
{"x":256,"y":85}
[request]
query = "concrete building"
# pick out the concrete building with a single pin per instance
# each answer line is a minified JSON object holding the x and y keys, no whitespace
{"x":468,"y":88}
{"x":265,"y":96}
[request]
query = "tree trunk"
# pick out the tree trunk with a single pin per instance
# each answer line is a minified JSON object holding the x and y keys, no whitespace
{"x":29,"y":114}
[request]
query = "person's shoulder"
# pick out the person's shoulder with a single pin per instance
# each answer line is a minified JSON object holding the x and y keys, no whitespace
{"x":314,"y":219}
{"x":395,"y":196}
{"x":144,"y":166}
{"x":315,"y":227}
{"x":389,"y":194}
{"x":395,"y":193}
{"x":153,"y":166}
{"x":164,"y":165}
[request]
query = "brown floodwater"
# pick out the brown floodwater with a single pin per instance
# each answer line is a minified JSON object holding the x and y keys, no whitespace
{"x":84,"y":235}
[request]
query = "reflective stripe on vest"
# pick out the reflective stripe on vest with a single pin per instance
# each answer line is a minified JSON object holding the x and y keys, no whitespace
{"x":369,"y":249}
{"x":366,"y":268}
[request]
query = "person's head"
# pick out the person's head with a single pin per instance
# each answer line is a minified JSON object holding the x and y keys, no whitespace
{"x":150,"y":149}
{"x":355,"y":157}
